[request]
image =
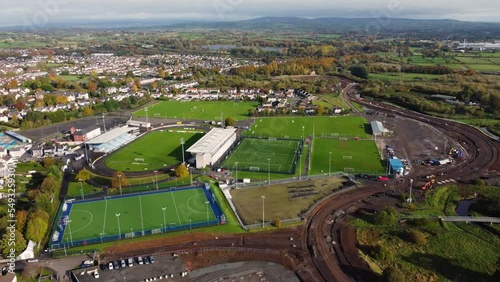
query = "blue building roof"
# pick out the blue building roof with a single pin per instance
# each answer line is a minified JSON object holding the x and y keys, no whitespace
{"x":396,"y":164}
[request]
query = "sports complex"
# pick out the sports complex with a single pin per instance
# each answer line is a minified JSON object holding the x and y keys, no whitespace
{"x":113,"y":218}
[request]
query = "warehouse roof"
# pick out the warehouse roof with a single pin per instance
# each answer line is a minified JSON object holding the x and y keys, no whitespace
{"x":211,"y":142}
{"x":396,"y":164}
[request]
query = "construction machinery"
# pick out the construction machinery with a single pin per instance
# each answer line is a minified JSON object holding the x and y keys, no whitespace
{"x":431,"y":181}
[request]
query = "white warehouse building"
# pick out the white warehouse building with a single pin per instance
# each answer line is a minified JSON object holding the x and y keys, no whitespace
{"x":209,"y":149}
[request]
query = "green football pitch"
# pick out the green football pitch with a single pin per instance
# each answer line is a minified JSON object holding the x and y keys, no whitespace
{"x":278,"y":156}
{"x":200,"y":110}
{"x":155,"y":150}
{"x":346,"y":156}
{"x":293,"y":127}
{"x":124,"y":215}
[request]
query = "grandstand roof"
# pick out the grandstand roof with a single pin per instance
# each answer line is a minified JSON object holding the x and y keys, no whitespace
{"x":210,"y":142}
{"x":110,"y":135}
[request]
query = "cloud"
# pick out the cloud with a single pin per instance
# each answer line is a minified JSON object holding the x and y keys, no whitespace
{"x":41,"y":12}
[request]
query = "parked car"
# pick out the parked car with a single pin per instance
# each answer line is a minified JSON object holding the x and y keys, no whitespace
{"x":139,"y":260}
{"x":116,"y":264}
{"x":130,"y":262}
{"x":96,"y":274}
{"x":122,"y":262}
{"x":110,"y":265}
{"x":146,"y":260}
{"x":151,"y":259}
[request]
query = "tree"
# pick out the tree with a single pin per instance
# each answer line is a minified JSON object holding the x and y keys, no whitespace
{"x":44,"y":203}
{"x":320,"y":110}
{"x":230,"y":121}
{"x":181,"y":171}
{"x":49,"y":185}
{"x":55,"y":171}
{"x":416,"y":236}
{"x":16,"y":242}
{"x":36,"y":229}
{"x":87,"y":111}
{"x":83,"y":174}
{"x":48,"y":162}
{"x":21,"y":220}
{"x":135,"y":88}
{"x":119,"y":178}
{"x":393,"y":274}
{"x":359,"y":71}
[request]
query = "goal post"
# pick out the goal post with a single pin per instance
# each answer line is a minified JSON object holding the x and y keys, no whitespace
{"x":347,"y":157}
{"x":348,"y":170}
{"x":254,"y":168}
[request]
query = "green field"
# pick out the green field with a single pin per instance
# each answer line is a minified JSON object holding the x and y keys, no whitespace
{"x":278,"y":156}
{"x":158,"y":149}
{"x":364,"y":156}
{"x":199,"y":110}
{"x":90,"y":219}
{"x":292,"y":127}
{"x":402,"y":76}
{"x":283,"y":201}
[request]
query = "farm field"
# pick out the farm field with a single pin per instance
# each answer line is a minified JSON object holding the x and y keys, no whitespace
{"x":155,"y":150}
{"x":283,"y":201}
{"x":199,"y":110}
{"x":257,"y":154}
{"x":122,"y":215}
{"x":292,"y":127}
{"x":362,"y":156}
{"x":402,"y":76}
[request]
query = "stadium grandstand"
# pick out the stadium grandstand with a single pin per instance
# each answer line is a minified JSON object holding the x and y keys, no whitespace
{"x":211,"y":147}
{"x":18,"y":137}
{"x":113,"y":139}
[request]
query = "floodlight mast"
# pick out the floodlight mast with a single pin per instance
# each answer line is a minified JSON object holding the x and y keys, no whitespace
{"x":263,"y":198}
{"x":119,"y":230}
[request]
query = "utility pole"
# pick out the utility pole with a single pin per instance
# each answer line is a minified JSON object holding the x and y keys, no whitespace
{"x":263,"y":198}
{"x":236,"y":182}
{"x":104,"y":122}
{"x":182,"y":144}
{"x":411,"y":185}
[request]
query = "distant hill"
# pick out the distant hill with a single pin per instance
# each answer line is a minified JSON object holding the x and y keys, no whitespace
{"x":370,"y":26}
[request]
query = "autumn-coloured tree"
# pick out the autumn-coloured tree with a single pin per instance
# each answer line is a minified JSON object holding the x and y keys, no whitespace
{"x":48,"y":162}
{"x":83,"y":175}
{"x":87,"y":111}
{"x":181,"y":171}
{"x":117,"y":180}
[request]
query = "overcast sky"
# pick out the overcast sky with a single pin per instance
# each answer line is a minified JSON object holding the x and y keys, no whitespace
{"x":41,"y":12}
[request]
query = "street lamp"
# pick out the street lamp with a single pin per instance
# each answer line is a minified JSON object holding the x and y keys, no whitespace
{"x":70,"y":235}
{"x":207,"y":202}
{"x":182,"y":143}
{"x":263,"y":198}
{"x":156,"y":180}
{"x":164,"y":222}
{"x":81,"y":188}
{"x":120,"y":183}
{"x":269,"y":171}
{"x":329,"y":164}
{"x":119,"y":230}
{"x":190,"y":224}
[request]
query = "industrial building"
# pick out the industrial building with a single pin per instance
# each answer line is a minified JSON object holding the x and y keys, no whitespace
{"x":82,"y":135}
{"x":378,"y":128}
{"x":209,"y":149}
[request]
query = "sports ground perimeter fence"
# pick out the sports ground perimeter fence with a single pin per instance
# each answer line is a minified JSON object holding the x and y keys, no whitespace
{"x":63,"y":212}
{"x":296,"y":157}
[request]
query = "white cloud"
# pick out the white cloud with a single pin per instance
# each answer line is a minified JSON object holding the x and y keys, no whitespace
{"x":44,"y":11}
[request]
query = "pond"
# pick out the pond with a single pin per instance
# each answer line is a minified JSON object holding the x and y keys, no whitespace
{"x":463,"y":207}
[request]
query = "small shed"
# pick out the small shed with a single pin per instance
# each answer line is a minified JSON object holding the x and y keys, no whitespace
{"x":396,"y":166}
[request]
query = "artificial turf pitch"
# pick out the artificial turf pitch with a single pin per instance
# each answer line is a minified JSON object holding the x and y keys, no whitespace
{"x":252,"y":154}
{"x":155,"y":150}
{"x":88,"y":220}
